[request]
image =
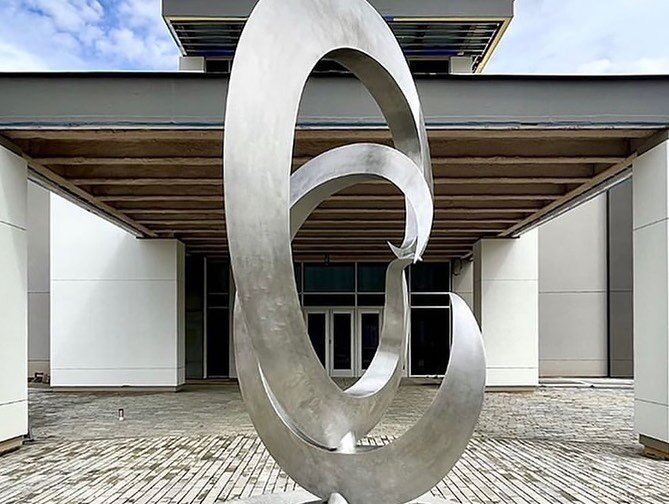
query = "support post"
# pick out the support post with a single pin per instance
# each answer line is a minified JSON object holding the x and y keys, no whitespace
{"x":13,"y":301}
{"x":651,"y":300}
{"x":506,"y":304}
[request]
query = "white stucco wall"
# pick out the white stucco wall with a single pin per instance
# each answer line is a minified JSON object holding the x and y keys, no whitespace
{"x":651,"y":294}
{"x":117,"y":304}
{"x":39,"y":280}
{"x":573,"y":329}
{"x":13,"y":298}
{"x":506,"y":306}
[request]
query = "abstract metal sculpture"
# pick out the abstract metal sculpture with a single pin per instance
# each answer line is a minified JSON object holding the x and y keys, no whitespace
{"x":309,"y":425}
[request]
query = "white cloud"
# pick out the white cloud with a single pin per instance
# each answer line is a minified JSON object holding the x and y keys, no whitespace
{"x":13,"y":59}
{"x":87,"y":34}
{"x":578,"y":37}
{"x":659,"y":65}
{"x":546,"y":36}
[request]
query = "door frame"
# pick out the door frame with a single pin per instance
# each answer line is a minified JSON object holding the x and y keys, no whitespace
{"x":329,"y":313}
{"x":346,"y":373}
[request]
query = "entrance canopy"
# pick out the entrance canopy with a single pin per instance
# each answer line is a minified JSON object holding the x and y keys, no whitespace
{"x":144,"y":150}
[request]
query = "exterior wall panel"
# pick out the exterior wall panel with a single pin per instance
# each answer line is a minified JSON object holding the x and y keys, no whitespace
{"x":573,"y":330}
{"x":506,"y":278}
{"x":116,"y":304}
{"x":651,"y":293}
{"x":39,"y":280}
{"x":621,"y":310}
{"x":13,"y":298}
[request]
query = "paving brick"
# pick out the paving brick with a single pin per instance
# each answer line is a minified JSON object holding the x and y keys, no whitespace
{"x":556,"y":445}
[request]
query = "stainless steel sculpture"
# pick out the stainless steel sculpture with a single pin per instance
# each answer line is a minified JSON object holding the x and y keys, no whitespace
{"x":310,"y":426}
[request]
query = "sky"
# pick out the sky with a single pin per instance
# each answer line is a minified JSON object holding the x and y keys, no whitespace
{"x":545,"y":37}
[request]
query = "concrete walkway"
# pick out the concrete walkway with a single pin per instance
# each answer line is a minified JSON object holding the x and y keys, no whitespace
{"x":566,"y":445}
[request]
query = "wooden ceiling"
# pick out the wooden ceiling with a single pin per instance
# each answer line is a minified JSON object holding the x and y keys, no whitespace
{"x":488,"y":183}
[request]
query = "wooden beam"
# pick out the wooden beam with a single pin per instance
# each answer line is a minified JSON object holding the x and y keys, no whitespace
{"x":217,"y":161}
{"x":319,"y":211}
{"x":84,"y":198}
{"x":137,"y":161}
{"x":347,"y":248}
{"x":382,"y":232}
{"x":519,"y":160}
{"x":338,"y":197}
{"x":509,"y":180}
{"x":163,"y":198}
{"x":218,"y":222}
{"x":161,"y":181}
{"x":200,"y":241}
{"x":598,"y":179}
{"x":193,"y":181}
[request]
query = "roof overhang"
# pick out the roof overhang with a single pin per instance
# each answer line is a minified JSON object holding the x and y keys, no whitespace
{"x":429,"y":29}
{"x":427,"y":9}
{"x":144,"y":150}
{"x":184,"y":100}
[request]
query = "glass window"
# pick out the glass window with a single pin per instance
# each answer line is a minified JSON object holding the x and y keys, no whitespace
{"x":371,"y":277}
{"x":430,"y":300}
{"x":194,"y":317}
{"x":298,"y":276}
{"x":316,"y":329}
{"x":371,"y":299}
{"x":341,"y":340}
{"x":217,"y":277}
{"x":194,"y":283}
{"x":430,"y":336}
{"x":370,"y":327}
{"x":329,"y":278}
{"x":218,"y":341}
{"x":329,"y":300}
{"x":431,"y":277}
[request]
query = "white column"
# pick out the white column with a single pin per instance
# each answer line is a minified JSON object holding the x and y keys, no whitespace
{"x":463,"y":281}
{"x":506,"y":304}
{"x":117,"y":305}
{"x":39,"y":279}
{"x":651,"y":299}
{"x":573,"y":320}
{"x":13,"y":301}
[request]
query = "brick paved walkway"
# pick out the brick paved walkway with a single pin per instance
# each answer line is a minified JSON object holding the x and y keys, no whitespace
{"x":198,"y":446}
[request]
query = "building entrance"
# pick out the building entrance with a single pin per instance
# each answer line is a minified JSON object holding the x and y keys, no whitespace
{"x":345,"y":339}
{"x":332,"y":334}
{"x":343,"y":310}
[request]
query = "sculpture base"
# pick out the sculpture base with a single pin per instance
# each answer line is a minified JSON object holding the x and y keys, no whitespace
{"x":304,"y":497}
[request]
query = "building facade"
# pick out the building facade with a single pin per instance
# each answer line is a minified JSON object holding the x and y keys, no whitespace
{"x":534,"y":218}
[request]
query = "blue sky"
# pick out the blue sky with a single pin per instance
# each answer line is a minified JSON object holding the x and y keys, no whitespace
{"x":546,"y":36}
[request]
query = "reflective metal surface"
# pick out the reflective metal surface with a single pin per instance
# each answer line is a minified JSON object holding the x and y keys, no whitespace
{"x":307,"y":422}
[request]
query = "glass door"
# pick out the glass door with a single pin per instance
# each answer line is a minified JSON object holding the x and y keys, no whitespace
{"x":369,"y":330}
{"x":341,"y":343}
{"x":317,"y":326}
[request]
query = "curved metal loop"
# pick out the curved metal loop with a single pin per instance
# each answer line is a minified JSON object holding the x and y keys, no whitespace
{"x":309,"y":425}
{"x":260,"y":251}
{"x":353,"y":413}
{"x":401,"y":470}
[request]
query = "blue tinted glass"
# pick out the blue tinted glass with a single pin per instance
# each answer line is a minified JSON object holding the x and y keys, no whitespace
{"x":371,"y":277}
{"x":431,"y":277}
{"x":329,"y":278}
